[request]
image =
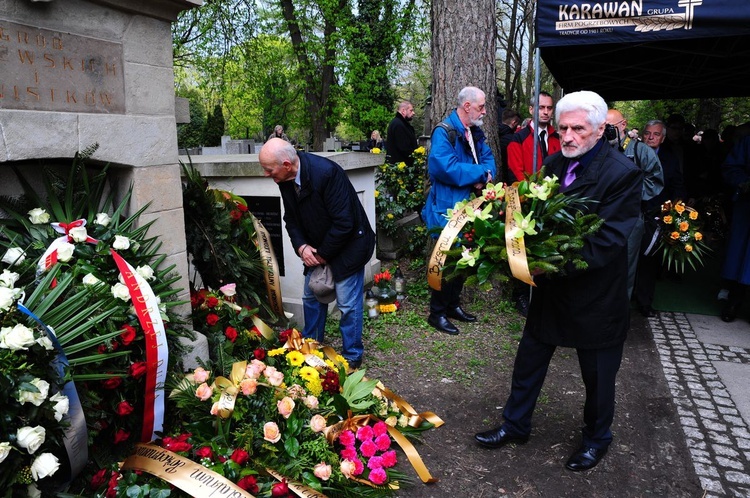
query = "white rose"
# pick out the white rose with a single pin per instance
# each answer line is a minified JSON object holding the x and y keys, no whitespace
{"x":14,"y":256}
{"x":35,"y":398}
{"x":102,"y":219}
{"x":19,"y":337}
{"x":78,"y":234}
{"x":38,"y":216}
{"x":7,"y":298}
{"x":121,"y":243}
{"x":146,"y":272}
{"x":31,"y":438}
{"x":4,"y":450}
{"x":46,"y":343}
{"x":8,"y":278}
{"x":44,"y":465}
{"x":65,"y":251}
{"x":62,"y":405}
{"x":32,"y":491}
{"x":121,"y":291}
{"x":90,"y":279}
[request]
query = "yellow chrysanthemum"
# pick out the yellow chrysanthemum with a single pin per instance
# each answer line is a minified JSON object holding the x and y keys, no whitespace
{"x":698,"y":236}
{"x":693,"y":215}
{"x":401,"y":166}
{"x":318,"y":353}
{"x":375,"y":150}
{"x":377,"y":194}
{"x":387,"y":308}
{"x":295,"y":358}
{"x":688,"y":248}
{"x":308,"y":373}
{"x":667,"y":219}
{"x":674,"y":235}
{"x":684,"y":226}
{"x":276,"y":352}
{"x":331,"y":365}
{"x":314,"y":387}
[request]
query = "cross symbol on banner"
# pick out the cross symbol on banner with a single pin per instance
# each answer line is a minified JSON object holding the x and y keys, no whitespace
{"x":690,"y":6}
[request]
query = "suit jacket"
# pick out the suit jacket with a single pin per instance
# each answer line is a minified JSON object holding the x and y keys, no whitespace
{"x":590,"y":309}
{"x":328,"y":215}
{"x":401,"y":140}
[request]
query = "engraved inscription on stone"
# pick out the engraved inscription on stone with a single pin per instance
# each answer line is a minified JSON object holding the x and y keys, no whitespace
{"x":48,"y":70}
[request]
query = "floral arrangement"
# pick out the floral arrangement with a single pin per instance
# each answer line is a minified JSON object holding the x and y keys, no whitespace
{"x":383,"y":279}
{"x":552,"y":226}
{"x":387,"y":298}
{"x":681,"y":240}
{"x":375,"y":150}
{"x":79,"y":290}
{"x":33,"y":404}
{"x":400,"y":191}
{"x":293,"y":419}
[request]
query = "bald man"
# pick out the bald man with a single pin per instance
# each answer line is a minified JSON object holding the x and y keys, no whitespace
{"x":327,"y":226}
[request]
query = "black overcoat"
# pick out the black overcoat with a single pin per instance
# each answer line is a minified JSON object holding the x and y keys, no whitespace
{"x":328,"y":215}
{"x":590,"y":309}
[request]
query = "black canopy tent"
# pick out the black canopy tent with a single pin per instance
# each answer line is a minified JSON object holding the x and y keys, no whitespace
{"x":647,"y":49}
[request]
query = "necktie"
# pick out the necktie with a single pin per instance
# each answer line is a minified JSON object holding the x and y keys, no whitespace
{"x":570,"y":175}
{"x":297,"y":189}
{"x":543,"y":143}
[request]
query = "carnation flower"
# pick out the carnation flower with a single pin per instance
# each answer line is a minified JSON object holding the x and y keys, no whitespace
{"x":378,"y":476}
{"x":368,"y":448}
{"x":347,"y":438}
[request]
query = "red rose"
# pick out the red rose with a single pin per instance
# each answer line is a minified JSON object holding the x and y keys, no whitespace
{"x":280,"y":489}
{"x":249,"y":484}
{"x":128,"y":334}
{"x":259,"y":354}
{"x":212,"y":302}
{"x":284,"y":335}
{"x":124,"y":408}
{"x":240,"y":456}
{"x":138,"y":369}
{"x":102,"y":348}
{"x":242,"y":207}
{"x":212,"y":319}
{"x":112,"y":383}
{"x":231,"y":334}
{"x":177,"y":444}
{"x":99,"y":478}
{"x":205,"y":452}
{"x":121,"y":435}
{"x":235,"y":214}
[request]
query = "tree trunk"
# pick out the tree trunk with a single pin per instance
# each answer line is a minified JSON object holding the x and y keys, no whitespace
{"x":463,"y":54}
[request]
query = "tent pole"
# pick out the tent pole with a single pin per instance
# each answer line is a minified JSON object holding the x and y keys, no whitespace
{"x":537,"y":83}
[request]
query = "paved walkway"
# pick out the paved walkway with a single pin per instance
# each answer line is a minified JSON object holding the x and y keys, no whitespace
{"x":707,"y":366}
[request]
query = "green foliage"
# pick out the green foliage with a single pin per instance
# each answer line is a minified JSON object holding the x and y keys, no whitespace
{"x":214,"y":129}
{"x":191,"y":134}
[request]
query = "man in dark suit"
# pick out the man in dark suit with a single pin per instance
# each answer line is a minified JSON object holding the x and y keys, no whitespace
{"x":327,"y":226}
{"x":401,"y":139}
{"x":583,"y":309}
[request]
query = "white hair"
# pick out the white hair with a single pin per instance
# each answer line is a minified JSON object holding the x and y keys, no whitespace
{"x":591,"y":102}
{"x":469,"y":94}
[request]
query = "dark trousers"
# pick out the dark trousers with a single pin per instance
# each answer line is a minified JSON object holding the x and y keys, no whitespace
{"x":598,"y":369}
{"x":647,"y":272}
{"x":448,"y":297}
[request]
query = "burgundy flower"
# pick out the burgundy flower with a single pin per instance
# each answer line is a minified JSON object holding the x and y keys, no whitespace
{"x":249,"y":484}
{"x":121,"y":435}
{"x":176,"y":444}
{"x":212,"y":319}
{"x":128,"y":334}
{"x":205,"y":452}
{"x":138,"y":369}
{"x":280,"y":489}
{"x":331,"y":382}
{"x":99,"y":478}
{"x":240,"y":456}
{"x":112,"y":383}
{"x":124,"y":409}
{"x":259,"y":354}
{"x":231,"y":334}
{"x":212,"y":302}
{"x":284,"y":335}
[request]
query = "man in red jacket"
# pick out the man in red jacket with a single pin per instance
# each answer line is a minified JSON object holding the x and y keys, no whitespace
{"x":521,"y":146}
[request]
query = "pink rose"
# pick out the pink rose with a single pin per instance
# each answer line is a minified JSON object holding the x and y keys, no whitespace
{"x":285,"y":406}
{"x":228,"y":290}
{"x":254,"y":369}
{"x":204,"y":392}
{"x":215,"y":409}
{"x":271,"y":432}
{"x":317,"y":423}
{"x":378,"y":476}
{"x":275,"y":378}
{"x":322,"y":471}
{"x":347,"y":468}
{"x":249,"y":386}
{"x":311,"y":402}
{"x":200,"y":374}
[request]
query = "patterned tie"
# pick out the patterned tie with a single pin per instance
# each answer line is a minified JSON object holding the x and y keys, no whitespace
{"x":543,"y":142}
{"x":570,"y":175}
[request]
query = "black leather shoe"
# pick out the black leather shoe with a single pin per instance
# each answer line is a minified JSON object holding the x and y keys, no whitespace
{"x":441,"y":323}
{"x":647,"y":311}
{"x":498,"y":437}
{"x":459,"y":314}
{"x":729,"y":311}
{"x":354,"y":364}
{"x":585,"y":458}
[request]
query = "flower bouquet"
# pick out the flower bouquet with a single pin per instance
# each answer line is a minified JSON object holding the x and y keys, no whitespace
{"x":293,"y":420}
{"x":513,"y":230}
{"x":679,"y":236}
{"x":386,"y":295}
{"x":32,"y":424}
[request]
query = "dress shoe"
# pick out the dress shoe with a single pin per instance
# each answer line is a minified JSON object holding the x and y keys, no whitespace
{"x":498,"y":437}
{"x":441,"y":323}
{"x":647,"y":311}
{"x":585,"y":458}
{"x":459,"y":314}
{"x":729,"y":311}
{"x":354,"y":364}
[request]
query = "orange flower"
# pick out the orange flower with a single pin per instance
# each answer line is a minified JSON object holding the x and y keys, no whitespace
{"x":693,"y":215}
{"x":667,"y":219}
{"x":674,"y":235}
{"x":679,"y":207}
{"x":698,"y":236}
{"x":684,"y":226}
{"x":688,"y":248}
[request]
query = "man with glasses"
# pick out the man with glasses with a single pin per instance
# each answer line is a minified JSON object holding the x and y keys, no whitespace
{"x":460,"y":162}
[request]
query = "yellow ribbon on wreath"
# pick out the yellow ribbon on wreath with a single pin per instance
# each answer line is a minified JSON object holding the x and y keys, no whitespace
{"x":230,"y":388}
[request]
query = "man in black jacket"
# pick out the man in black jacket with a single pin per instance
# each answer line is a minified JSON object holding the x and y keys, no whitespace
{"x":327,"y":226}
{"x":401,"y":139}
